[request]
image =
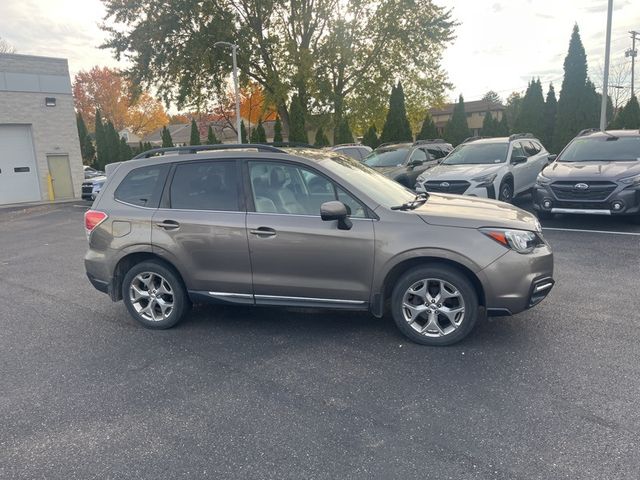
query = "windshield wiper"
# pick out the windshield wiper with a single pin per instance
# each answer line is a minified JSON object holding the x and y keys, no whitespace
{"x":418,"y":200}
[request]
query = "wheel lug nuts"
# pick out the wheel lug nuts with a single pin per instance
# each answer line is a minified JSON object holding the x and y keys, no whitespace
{"x":439,"y":305}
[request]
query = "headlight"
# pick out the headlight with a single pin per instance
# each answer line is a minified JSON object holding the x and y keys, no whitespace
{"x":542,"y":180}
{"x":634,"y":180}
{"x":485,"y":180}
{"x":522,"y":241}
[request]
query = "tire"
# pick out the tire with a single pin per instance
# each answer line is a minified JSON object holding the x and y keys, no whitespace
{"x":168,"y":298}
{"x":440,"y":322}
{"x":542,"y":215}
{"x":505,"y":194}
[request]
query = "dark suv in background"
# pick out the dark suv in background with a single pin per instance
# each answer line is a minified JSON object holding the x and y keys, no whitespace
{"x":404,"y":162}
{"x":257,"y":225}
{"x":597,"y":173}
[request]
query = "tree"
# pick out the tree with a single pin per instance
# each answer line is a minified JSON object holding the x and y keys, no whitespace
{"x":503,"y":129}
{"x":125,"y":150}
{"x":277,"y":131}
{"x":101,"y":141}
{"x":489,"y":125}
{"x":243,"y":132}
{"x":86,"y":145}
{"x":512,"y":107}
{"x":328,"y":53}
{"x":297,"y":129}
{"x":428,"y":130}
{"x":195,"y":133}
{"x":343,"y":133}
{"x":457,"y":128}
{"x":530,"y":117}
{"x":112,"y":143}
{"x":6,"y":47}
{"x":321,"y":138}
{"x":146,"y":115}
{"x":550,"y":110}
{"x":211,"y":137}
{"x":254,"y":106}
{"x":167,"y":141}
{"x":371,"y":137}
{"x":396,"y":126}
{"x":628,"y":116}
{"x":570,"y":118}
{"x":258,"y":135}
{"x":491,"y":97}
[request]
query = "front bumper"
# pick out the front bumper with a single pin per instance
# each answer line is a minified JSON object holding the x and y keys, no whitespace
{"x":624,"y":200}
{"x":515,"y":282}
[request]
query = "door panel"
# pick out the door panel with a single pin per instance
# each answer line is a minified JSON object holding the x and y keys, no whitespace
{"x":60,"y":176}
{"x":520,"y":171}
{"x":18,"y":174}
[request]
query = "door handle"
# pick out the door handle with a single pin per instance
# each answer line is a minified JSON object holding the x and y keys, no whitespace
{"x":263,"y":232}
{"x":168,"y":225}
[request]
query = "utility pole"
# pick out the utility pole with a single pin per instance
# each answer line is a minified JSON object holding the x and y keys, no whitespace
{"x":605,"y":83}
{"x":633,"y":53}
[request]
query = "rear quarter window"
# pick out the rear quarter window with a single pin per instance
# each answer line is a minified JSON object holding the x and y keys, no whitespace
{"x":142,"y":186}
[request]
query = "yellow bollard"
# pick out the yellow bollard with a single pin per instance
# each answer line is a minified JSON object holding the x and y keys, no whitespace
{"x":50,"y":185}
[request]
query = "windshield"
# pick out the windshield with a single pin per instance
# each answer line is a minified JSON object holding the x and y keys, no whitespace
{"x":477,"y":153}
{"x":376,"y":186}
{"x":386,"y":158}
{"x":602,"y":149}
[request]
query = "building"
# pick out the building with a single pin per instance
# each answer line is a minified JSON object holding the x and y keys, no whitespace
{"x":40,"y":152}
{"x":131,"y":138}
{"x":475,"y":114}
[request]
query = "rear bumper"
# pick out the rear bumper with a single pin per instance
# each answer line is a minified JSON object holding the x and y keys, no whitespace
{"x":99,"y":285}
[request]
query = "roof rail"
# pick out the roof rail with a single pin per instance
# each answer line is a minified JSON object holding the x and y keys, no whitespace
{"x":587,"y":131}
{"x":429,"y":140}
{"x":389,"y":143}
{"x":203,"y":148}
{"x":515,"y":136}
{"x":290,"y":144}
{"x":473,"y":139}
{"x":347,"y":145}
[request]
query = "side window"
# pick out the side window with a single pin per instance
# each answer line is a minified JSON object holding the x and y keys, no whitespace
{"x":517,"y":151}
{"x":530,"y":149}
{"x":143,"y":186}
{"x":205,"y":186}
{"x":289,"y":189}
{"x":418,"y":155}
{"x":436,"y":152}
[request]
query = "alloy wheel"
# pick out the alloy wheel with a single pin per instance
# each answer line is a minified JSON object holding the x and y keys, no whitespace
{"x":151,"y":296}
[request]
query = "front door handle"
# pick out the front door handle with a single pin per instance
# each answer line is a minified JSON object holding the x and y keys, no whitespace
{"x":168,"y":225}
{"x":263,"y":232}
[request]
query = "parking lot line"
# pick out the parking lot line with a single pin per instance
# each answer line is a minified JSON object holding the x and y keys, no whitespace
{"x":633,"y":234}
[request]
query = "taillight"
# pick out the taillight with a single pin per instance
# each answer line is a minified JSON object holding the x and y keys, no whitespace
{"x":93,"y":218}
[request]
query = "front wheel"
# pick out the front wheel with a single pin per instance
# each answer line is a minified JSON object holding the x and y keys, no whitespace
{"x":154,"y":295}
{"x":506,"y":192}
{"x":434,"y":305}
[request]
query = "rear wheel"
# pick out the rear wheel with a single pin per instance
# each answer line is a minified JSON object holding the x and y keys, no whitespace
{"x":154,"y":295}
{"x":434,"y":305}
{"x":506,"y":191}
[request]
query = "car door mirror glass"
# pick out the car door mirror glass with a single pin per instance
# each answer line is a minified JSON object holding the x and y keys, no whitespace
{"x":551,"y":158}
{"x":336,"y":210}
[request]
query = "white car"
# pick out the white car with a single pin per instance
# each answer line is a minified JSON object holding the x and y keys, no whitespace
{"x":499,"y":168}
{"x":353,"y":150}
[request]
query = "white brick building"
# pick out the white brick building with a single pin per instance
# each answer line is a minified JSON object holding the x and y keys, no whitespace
{"x":38,"y":133}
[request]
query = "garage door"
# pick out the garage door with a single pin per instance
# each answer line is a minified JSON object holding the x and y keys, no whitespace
{"x":18,"y":173}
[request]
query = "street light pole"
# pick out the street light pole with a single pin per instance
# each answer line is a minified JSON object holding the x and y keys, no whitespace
{"x":234,"y":49}
{"x":632,"y":53}
{"x":605,"y":82}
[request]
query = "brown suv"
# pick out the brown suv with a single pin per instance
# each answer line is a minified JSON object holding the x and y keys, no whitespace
{"x":257,"y":225}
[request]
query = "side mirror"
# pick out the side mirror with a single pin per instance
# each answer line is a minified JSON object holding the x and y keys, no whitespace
{"x":335,"y":210}
{"x":415,"y":163}
{"x":551,"y":158}
{"x":518,"y":160}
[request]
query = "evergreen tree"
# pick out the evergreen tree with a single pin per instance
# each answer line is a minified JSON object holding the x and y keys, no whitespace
{"x":531,"y":116}
{"x":396,"y":126}
{"x":297,"y":129}
{"x":125,"y":150}
{"x":550,"y":110}
{"x":502,"y":129}
{"x":590,"y":106}
{"x":570,"y":117}
{"x":457,"y":128}
{"x":488,"y":125}
{"x":343,"y":132}
{"x":140,"y":147}
{"x":195,"y":133}
{"x":101,"y":142}
{"x":321,"y":138}
{"x":211,"y":137}
{"x":428,"y":130}
{"x":277,"y":131}
{"x":86,"y":145}
{"x":113,"y":143}
{"x":262,"y":134}
{"x":628,"y":116}
{"x":167,"y":141}
{"x":243,"y":132}
{"x":370,"y":138}
{"x":147,"y":146}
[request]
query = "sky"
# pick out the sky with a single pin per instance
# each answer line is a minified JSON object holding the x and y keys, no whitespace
{"x":500,"y":44}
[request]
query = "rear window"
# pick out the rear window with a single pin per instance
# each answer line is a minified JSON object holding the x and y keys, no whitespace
{"x":602,"y":149}
{"x":143,"y":186}
{"x":205,"y":186}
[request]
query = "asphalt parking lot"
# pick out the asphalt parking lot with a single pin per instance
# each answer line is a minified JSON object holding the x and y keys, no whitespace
{"x":258,"y":393}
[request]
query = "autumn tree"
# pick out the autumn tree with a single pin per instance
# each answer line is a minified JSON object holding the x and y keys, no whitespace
{"x":146,"y":115}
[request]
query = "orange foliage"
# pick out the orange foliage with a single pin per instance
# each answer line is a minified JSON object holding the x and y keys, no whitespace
{"x":253,"y":106}
{"x":146,"y":115}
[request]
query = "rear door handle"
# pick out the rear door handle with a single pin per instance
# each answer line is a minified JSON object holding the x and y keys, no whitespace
{"x":168,"y":225}
{"x":263,"y":232}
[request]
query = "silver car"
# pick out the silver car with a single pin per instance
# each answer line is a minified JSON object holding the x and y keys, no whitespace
{"x":258,"y":225}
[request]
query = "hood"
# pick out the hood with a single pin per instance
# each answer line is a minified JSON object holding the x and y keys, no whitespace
{"x":591,"y":170}
{"x":460,"y":172}
{"x":474,"y":212}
